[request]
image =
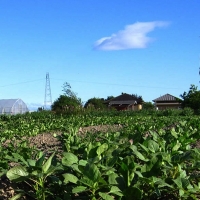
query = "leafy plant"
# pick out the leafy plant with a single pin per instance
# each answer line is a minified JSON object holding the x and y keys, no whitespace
{"x":35,"y":174}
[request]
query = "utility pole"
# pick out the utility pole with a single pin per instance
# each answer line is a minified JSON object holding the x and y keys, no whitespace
{"x":47,"y":98}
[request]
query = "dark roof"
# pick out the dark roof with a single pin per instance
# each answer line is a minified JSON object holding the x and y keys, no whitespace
{"x":126,"y":99}
{"x":166,"y":97}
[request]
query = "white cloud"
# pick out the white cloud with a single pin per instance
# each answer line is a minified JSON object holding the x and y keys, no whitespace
{"x":134,"y":36}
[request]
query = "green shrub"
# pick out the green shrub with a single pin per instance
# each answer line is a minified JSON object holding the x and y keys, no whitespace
{"x":187,"y":111}
{"x":171,"y":112}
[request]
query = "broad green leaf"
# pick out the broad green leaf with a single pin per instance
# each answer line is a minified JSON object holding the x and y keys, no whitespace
{"x":87,"y":181}
{"x":82,"y":162}
{"x":75,"y":167}
{"x":112,"y":178}
{"x":181,"y":192}
{"x":124,"y":166}
{"x":102,"y":148}
{"x":53,"y":169}
{"x":69,"y":159}
{"x":185,"y":183}
{"x":133,"y":193}
{"x":120,"y":194}
{"x":105,"y":196}
{"x":40,"y":161}
{"x":153,"y":146}
{"x":146,"y":180}
{"x":152,"y":163}
{"x":178,"y":182}
{"x":183,"y":123}
{"x":155,"y":135}
{"x":108,"y":170}
{"x":35,"y":173}
{"x":182,"y":172}
{"x":70,"y":178}
{"x":102,"y":182}
{"x":114,"y":189}
{"x":47,"y":164}
{"x":177,"y":146}
{"x":160,"y":182}
{"x":133,"y":147}
{"x":137,"y":153}
{"x":19,"y":157}
{"x":79,"y":189}
{"x":140,"y":156}
{"x":111,"y":161}
{"x":92,"y":172}
{"x":174,"y":133}
{"x":31,"y":163}
{"x":138,"y":173}
{"x":17,"y":173}
{"x":144,"y":148}
{"x":17,"y":196}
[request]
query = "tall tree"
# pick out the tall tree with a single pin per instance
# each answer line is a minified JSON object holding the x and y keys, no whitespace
{"x":148,"y":106}
{"x":191,"y":98}
{"x":68,"y":91}
{"x":68,"y":101}
{"x":109,"y":98}
{"x":95,"y":103}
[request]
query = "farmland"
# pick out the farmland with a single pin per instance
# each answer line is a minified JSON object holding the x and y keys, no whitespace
{"x":99,"y":155}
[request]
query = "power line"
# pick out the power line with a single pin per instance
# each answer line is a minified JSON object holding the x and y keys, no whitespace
{"x":20,"y":83}
{"x":116,"y":84}
{"x":88,"y":82}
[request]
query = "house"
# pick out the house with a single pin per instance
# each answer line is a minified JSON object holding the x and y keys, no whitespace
{"x":167,"y":101}
{"x":126,"y":102}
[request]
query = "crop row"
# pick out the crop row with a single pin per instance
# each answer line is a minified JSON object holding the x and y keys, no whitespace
{"x":150,"y":158}
{"x":35,"y":123}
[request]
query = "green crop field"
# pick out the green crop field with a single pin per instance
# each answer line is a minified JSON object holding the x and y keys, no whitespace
{"x":121,"y":156}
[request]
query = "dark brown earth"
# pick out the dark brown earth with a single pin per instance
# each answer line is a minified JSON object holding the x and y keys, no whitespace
{"x":47,"y":142}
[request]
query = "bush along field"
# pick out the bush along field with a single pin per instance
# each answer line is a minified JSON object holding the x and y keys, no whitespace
{"x":135,"y":157}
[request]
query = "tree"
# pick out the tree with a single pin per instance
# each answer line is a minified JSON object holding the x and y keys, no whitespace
{"x":96,"y":103}
{"x":191,"y":98}
{"x":148,"y":106}
{"x":109,"y":98}
{"x":67,"y":90}
{"x":68,"y":101}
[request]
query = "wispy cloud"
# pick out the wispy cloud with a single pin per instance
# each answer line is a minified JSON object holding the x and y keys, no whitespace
{"x":134,"y":36}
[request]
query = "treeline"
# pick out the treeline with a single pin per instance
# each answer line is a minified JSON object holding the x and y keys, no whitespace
{"x":69,"y":102}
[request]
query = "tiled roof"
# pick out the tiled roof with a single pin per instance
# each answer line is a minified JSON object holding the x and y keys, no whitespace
{"x":123,"y":102}
{"x":126,"y":98}
{"x":166,"y":97}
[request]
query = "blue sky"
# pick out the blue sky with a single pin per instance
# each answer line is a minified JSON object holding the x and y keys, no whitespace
{"x":101,"y":48}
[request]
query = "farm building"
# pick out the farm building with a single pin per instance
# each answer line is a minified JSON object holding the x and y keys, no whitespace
{"x":167,"y":101}
{"x":126,"y":102}
{"x":12,"y":106}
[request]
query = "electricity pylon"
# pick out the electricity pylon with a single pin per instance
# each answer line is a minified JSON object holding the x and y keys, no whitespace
{"x":47,"y":98}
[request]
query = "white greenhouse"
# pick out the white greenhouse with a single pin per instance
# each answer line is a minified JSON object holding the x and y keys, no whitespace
{"x":12,"y":106}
